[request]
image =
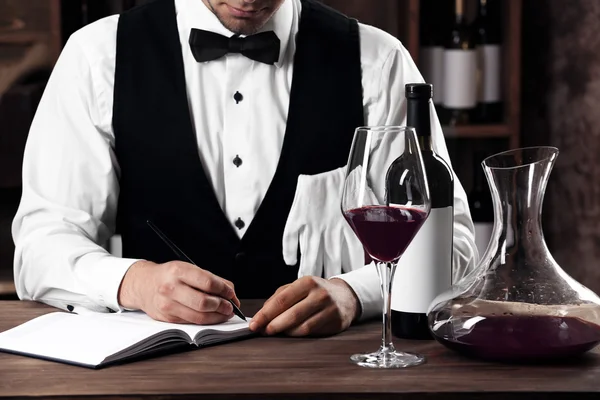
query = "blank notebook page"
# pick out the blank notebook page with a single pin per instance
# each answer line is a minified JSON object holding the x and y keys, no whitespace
{"x":85,"y":339}
{"x":92,"y":337}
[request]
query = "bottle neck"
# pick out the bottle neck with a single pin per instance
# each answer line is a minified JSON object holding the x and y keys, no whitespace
{"x":483,"y":8}
{"x":459,"y":11}
{"x":425,"y":143}
{"x":418,"y":117}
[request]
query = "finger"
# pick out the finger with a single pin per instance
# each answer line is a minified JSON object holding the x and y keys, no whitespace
{"x":207,"y":282}
{"x":201,"y":302}
{"x":280,"y":303}
{"x":229,"y":283}
{"x":279,"y":290}
{"x":235,"y":298}
{"x":174,"y":312}
{"x":294,"y":317}
{"x":236,"y":301}
{"x":311,"y":326}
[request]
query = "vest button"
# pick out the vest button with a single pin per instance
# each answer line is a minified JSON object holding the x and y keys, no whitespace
{"x":240,"y":257}
{"x":240,"y":224}
{"x":238,"y":97}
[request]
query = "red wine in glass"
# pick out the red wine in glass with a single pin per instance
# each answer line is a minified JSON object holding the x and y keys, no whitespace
{"x":385,"y":201}
{"x":385,"y":231}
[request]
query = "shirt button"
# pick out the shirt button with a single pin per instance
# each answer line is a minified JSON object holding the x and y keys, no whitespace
{"x":237,"y":161}
{"x":239,"y":223}
{"x":238,"y":97}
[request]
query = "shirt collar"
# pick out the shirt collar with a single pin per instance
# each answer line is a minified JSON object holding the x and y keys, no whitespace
{"x":195,"y":14}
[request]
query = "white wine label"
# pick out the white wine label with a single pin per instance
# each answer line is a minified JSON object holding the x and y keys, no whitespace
{"x":432,"y":68}
{"x":460,"y":79}
{"x":425,"y":269}
{"x":490,"y":66}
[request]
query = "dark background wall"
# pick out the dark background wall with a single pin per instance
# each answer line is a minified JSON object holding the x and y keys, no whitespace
{"x":561,"y":107}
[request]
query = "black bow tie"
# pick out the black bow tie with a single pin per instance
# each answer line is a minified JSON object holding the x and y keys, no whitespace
{"x":208,"y":46}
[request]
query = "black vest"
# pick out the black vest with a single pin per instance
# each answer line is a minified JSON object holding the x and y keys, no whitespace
{"x":161,"y":177}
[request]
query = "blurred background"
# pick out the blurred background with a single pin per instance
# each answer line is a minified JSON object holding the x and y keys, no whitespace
{"x":523,"y":73}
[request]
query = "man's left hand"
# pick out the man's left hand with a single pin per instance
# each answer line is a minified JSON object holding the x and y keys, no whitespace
{"x":309,"y":306}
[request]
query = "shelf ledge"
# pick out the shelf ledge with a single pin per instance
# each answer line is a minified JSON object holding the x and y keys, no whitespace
{"x":477,"y":131}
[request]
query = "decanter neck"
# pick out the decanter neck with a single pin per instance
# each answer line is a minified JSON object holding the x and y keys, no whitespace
{"x":518,"y":188}
{"x":518,"y":205}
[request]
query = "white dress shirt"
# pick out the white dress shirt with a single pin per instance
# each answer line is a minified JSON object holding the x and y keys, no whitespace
{"x":71,"y":175}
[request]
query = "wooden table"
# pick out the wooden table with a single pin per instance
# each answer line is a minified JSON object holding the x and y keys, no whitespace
{"x":280,"y":368}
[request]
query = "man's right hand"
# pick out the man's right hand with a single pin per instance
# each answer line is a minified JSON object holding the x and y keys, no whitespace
{"x":177,"y":292}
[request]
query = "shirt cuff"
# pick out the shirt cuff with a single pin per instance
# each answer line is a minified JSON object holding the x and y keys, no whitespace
{"x":367,"y":286}
{"x":105,"y":273}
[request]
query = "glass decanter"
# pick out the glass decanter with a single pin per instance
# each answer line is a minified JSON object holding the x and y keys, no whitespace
{"x":518,"y":305}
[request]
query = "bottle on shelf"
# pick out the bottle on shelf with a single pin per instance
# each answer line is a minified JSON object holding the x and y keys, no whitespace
{"x":434,"y":15}
{"x":481,"y":205}
{"x":460,"y":71}
{"x":425,"y":269}
{"x":488,"y":43}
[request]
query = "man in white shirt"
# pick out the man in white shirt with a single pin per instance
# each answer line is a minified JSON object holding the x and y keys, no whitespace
{"x":200,"y":115}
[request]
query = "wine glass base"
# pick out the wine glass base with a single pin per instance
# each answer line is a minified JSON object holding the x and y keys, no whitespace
{"x":388,"y":359}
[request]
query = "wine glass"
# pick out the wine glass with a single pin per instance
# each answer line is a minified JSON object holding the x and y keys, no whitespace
{"x":386,"y":201}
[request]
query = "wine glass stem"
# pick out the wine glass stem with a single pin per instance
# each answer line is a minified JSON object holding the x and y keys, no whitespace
{"x":386,"y":275}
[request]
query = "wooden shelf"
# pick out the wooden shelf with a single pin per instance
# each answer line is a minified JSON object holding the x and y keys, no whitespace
{"x":402,"y":18}
{"x":22,"y":37}
{"x":477,"y":131}
{"x":7,"y":288}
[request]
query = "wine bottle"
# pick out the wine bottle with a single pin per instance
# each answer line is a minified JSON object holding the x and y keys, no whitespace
{"x":460,"y":71}
{"x":431,"y":53}
{"x":488,"y":44}
{"x":481,"y":206}
{"x":425,"y":269}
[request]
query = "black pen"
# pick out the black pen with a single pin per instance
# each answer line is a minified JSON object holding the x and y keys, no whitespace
{"x":182,"y":255}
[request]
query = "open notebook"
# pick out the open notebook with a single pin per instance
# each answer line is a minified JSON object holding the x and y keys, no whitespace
{"x":95,"y":340}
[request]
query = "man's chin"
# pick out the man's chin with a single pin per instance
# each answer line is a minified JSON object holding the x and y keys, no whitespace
{"x":243,"y":26}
